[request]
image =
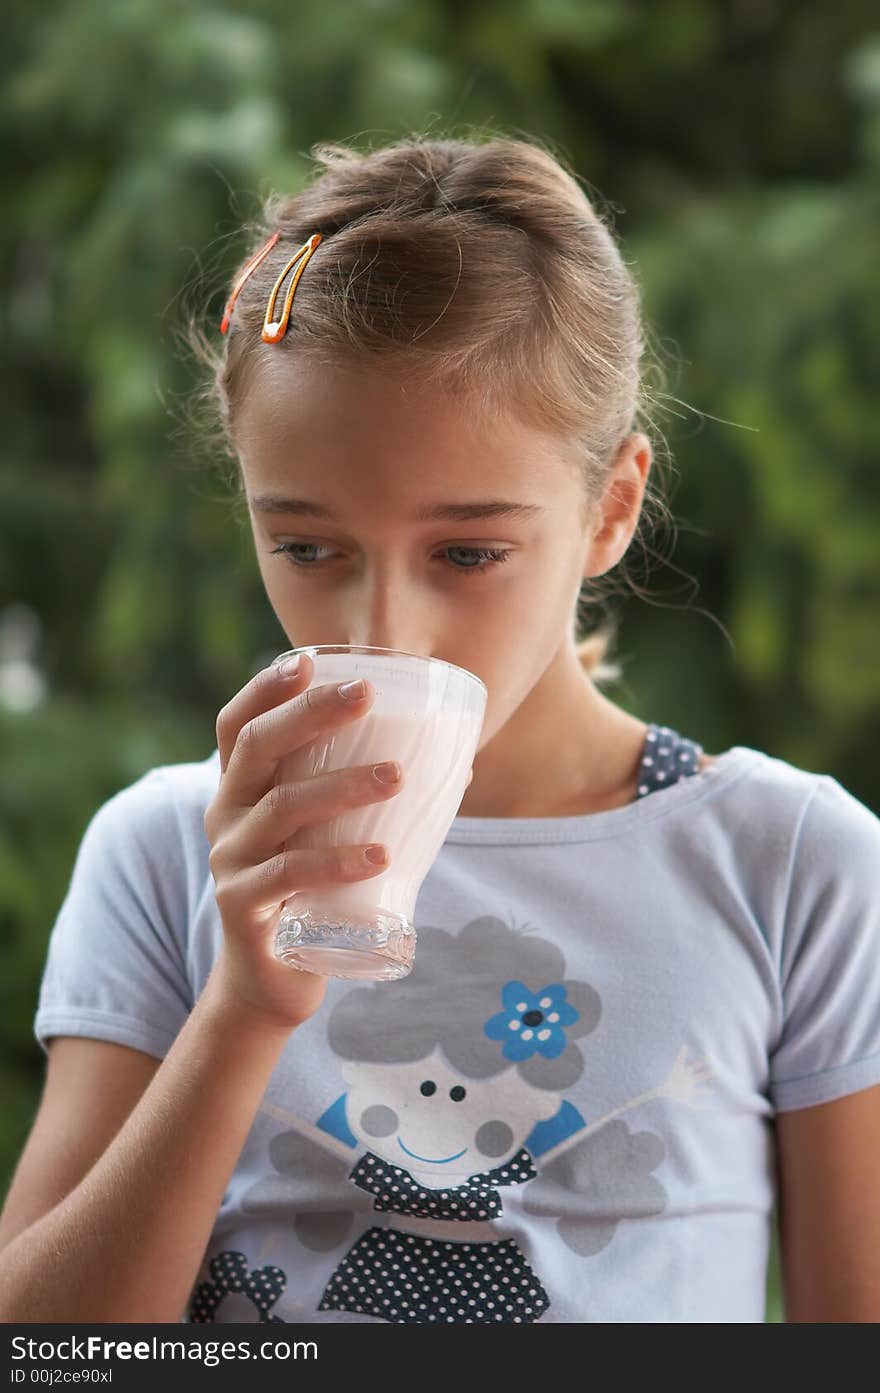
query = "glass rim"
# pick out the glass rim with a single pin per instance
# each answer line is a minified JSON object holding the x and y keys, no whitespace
{"x":369,"y":648}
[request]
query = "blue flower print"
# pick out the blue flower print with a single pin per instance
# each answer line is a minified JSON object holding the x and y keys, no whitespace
{"x":532,"y":1021}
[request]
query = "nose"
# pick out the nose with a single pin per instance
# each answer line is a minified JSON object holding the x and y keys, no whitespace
{"x":386,"y":610}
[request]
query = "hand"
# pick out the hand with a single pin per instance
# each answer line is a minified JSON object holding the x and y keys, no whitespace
{"x":251,"y":817}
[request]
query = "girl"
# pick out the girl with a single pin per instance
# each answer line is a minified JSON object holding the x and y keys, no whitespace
{"x":646,"y":1000}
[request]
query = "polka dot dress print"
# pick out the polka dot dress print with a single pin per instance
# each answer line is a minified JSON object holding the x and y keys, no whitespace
{"x":248,"y":1294}
{"x":667,"y":758}
{"x":395,"y":1189}
{"x":405,"y":1277}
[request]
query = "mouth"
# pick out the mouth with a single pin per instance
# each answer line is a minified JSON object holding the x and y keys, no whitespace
{"x":433,"y":1160}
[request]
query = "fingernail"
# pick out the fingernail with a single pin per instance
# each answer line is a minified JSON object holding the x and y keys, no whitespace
{"x":377,"y":854}
{"x":352,"y":691}
{"x":387,"y":773}
{"x":289,"y":668}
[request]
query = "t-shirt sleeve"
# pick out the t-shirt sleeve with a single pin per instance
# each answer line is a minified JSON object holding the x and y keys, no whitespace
{"x":830,"y":955}
{"x":115,"y":966}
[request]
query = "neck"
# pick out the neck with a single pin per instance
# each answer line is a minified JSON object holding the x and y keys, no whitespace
{"x":565,"y":750}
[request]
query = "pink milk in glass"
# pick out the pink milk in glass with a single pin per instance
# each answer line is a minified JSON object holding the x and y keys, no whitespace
{"x":428,"y":715}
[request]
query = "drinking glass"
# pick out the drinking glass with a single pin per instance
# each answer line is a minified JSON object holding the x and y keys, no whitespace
{"x":427,"y":714}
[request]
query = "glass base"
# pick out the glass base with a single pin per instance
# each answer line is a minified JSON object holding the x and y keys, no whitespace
{"x":378,"y":949}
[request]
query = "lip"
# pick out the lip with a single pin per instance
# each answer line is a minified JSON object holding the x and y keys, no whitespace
{"x":432,"y":1160}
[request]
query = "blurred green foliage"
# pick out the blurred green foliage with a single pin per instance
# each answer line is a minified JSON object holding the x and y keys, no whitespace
{"x":738,"y":145}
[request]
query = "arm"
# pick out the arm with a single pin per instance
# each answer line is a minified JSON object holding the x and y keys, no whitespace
{"x":829,"y":1209}
{"x":126,"y":1243}
{"x":686,"y":1082}
{"x":121,"y":1237}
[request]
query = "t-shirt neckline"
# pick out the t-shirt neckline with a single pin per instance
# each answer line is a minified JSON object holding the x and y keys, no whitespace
{"x":726,"y":767}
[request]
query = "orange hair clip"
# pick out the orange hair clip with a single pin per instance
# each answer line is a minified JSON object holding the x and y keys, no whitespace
{"x":274,"y":330}
{"x":249,"y":268}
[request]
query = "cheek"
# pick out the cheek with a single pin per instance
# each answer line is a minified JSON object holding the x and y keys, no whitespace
{"x":494,"y":1139}
{"x":379,"y":1121}
{"x":274,"y":586}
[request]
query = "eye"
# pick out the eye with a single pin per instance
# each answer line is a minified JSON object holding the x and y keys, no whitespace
{"x":486,"y":557}
{"x":457,"y":1093}
{"x":428,"y":1087}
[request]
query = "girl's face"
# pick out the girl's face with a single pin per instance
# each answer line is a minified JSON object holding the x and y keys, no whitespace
{"x":432,"y":1120}
{"x":370,"y":508}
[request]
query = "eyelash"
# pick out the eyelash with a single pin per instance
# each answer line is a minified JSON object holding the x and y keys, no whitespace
{"x":491,"y":557}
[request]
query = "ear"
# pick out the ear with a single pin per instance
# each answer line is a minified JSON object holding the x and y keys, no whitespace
{"x":617,"y":513}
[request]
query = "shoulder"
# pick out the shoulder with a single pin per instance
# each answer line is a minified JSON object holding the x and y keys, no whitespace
{"x":189,"y":787}
{"x":143,"y":856}
{"x":838,"y":833}
{"x":813,"y":851}
{"x":164,"y":807}
{"x":781,"y":826}
{"x":760,"y":783}
{"x":830,"y":823}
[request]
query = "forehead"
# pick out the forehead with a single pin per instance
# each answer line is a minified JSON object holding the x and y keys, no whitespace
{"x":310,"y":420}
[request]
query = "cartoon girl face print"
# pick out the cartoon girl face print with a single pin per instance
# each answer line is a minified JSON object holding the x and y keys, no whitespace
{"x":455,"y":1091}
{"x":437,"y":1123}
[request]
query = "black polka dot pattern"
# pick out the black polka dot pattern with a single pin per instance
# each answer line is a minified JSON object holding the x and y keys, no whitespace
{"x":667,"y":758}
{"x":405,"y":1278}
{"x":396,"y":1190}
{"x":230,"y":1273}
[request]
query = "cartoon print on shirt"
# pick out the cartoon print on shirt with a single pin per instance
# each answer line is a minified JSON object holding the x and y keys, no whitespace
{"x":454,"y":1093}
{"x":246,"y":1296}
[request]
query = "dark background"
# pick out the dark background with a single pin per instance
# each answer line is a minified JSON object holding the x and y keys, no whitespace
{"x":737,"y":146}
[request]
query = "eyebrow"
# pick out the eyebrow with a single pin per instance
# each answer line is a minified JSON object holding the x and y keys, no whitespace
{"x":455,"y":512}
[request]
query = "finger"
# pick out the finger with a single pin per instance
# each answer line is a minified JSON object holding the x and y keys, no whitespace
{"x":255,"y":889}
{"x":264,"y":691}
{"x":269,"y":737}
{"x":288,"y":807}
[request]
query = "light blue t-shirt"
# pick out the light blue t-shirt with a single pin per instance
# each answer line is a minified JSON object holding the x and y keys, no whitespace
{"x":565,"y":1112}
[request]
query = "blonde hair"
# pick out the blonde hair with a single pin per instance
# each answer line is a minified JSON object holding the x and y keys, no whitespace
{"x":478,"y":264}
